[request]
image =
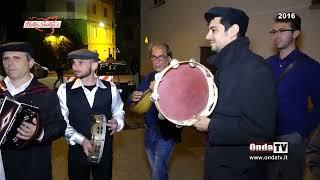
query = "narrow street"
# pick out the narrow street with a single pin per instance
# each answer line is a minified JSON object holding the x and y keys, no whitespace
{"x":129,"y":158}
{"x":130,"y":161}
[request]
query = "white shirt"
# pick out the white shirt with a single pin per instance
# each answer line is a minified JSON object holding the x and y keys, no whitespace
{"x":2,"y":174}
{"x":14,"y":91}
{"x":71,"y":135}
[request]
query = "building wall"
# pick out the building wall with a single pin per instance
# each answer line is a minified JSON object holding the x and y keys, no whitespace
{"x":59,"y":8}
{"x":81,"y":9}
{"x":84,"y":20}
{"x":101,"y":39}
{"x":180,"y":23}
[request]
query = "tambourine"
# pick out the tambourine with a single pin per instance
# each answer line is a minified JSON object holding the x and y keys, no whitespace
{"x":98,"y":131}
{"x":183,"y":90}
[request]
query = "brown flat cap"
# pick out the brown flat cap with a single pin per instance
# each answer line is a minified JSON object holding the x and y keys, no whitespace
{"x":84,"y":54}
{"x":17,"y":46}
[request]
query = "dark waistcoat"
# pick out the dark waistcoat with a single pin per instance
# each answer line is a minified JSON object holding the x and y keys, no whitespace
{"x":80,"y":111}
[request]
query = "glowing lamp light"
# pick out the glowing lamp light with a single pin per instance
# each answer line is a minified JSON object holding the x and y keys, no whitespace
{"x":101,"y":24}
{"x":146,"y":40}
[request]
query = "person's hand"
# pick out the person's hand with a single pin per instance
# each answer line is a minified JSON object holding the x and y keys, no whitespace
{"x":27,"y":130}
{"x":136,"y":96}
{"x":112,"y":126}
{"x":151,"y":86}
{"x":202,"y":123}
{"x":87,"y":146}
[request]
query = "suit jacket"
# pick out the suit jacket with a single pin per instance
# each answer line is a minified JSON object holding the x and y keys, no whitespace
{"x":34,"y":161}
{"x":245,"y":112}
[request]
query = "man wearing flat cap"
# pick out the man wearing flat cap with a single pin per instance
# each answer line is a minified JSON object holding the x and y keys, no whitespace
{"x":32,"y":161}
{"x":80,"y":99}
{"x":246,"y":107}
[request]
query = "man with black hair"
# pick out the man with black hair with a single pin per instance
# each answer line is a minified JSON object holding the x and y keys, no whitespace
{"x":246,"y":106}
{"x":32,"y":161}
{"x":297,"y":76}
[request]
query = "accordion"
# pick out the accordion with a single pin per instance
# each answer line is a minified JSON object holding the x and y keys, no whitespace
{"x":12,"y":115}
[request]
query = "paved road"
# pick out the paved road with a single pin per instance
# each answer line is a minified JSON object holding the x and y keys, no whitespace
{"x":49,"y":81}
{"x":130,"y":161}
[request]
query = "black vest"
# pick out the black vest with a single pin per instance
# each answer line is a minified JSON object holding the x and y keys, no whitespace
{"x":80,"y":111}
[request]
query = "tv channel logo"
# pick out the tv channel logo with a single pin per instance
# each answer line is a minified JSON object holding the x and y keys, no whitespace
{"x":271,"y":147}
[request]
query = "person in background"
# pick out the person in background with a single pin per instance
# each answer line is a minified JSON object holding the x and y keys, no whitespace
{"x":297,"y":76}
{"x":160,"y":135}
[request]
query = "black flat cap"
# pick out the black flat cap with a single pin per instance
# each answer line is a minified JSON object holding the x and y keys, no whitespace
{"x":84,"y":54}
{"x":233,"y":15}
{"x":17,"y":46}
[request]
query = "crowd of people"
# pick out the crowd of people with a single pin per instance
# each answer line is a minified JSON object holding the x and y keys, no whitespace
{"x":260,"y":100}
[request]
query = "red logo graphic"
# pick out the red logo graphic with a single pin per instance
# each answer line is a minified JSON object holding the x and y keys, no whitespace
{"x":39,"y":23}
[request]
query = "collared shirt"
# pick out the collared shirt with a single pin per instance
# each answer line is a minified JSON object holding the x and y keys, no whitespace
{"x":14,"y":91}
{"x":301,"y":82}
{"x":71,"y":135}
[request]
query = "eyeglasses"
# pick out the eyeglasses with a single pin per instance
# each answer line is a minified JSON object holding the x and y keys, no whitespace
{"x":159,"y":58}
{"x":280,"y":31}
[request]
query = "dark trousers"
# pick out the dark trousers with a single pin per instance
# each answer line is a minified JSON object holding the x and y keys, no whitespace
{"x":293,"y":168}
{"x":79,"y":167}
{"x":232,"y":163}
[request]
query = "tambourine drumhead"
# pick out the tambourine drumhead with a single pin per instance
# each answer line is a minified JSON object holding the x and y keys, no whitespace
{"x":185,"y":89}
{"x":98,"y":131}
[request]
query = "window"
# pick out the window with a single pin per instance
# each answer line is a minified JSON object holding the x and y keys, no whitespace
{"x":94,"y":32}
{"x":105,"y":12}
{"x":94,"y":8}
{"x":161,"y":2}
{"x":315,"y":4}
{"x":158,"y":2}
{"x":129,"y":34}
{"x":70,"y":6}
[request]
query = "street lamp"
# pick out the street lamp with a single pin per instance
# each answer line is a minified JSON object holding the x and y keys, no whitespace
{"x":101,"y":24}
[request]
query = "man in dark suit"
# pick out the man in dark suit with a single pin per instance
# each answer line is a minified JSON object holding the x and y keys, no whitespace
{"x":246,"y":109}
{"x":34,"y":160}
